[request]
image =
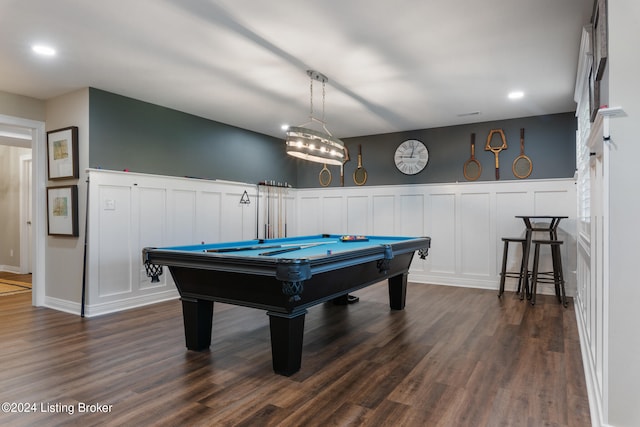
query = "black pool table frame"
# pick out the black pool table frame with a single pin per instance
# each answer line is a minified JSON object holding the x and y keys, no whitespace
{"x":285,"y":287}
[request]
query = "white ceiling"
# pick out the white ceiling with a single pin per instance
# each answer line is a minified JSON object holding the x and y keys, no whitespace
{"x":392,"y":65}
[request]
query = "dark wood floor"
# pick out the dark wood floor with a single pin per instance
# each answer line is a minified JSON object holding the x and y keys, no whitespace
{"x":453,"y":357}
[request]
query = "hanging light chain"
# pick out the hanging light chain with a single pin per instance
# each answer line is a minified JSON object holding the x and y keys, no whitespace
{"x":310,"y":96}
{"x":314,"y":75}
{"x":323,"y":98}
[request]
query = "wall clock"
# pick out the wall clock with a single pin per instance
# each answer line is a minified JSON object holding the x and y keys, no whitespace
{"x":411,"y":157}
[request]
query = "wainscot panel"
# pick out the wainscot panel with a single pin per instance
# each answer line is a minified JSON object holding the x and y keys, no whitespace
{"x":130,"y":211}
{"x":465,"y":221}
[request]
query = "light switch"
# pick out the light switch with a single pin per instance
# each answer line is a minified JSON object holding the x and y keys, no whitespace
{"x":109,"y":205}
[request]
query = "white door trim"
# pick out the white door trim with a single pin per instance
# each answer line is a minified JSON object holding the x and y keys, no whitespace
{"x":26,"y":188}
{"x":38,"y":151}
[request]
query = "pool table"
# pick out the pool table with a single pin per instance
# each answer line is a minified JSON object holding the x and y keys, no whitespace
{"x":283,"y":276}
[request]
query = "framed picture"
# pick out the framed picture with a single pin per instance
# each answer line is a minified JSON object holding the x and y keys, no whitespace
{"x":600,"y":51}
{"x":62,"y":210}
{"x":62,"y":152}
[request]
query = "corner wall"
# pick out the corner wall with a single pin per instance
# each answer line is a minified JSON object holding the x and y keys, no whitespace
{"x":64,"y":255}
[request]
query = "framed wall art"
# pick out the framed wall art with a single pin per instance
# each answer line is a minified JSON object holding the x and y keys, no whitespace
{"x":62,"y":211}
{"x":62,"y":153}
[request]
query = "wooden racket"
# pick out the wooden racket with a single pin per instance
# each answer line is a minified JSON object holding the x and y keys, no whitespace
{"x":324,"y":176}
{"x":496,"y":145}
{"x":522,"y":165}
{"x":360,"y":174}
{"x":472,"y":167}
{"x":346,"y":159}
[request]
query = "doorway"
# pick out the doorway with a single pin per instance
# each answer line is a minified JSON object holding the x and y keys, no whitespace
{"x":32,"y":199}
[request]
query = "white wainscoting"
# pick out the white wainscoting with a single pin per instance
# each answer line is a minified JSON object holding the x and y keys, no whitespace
{"x":465,"y":221}
{"x":130,"y":211}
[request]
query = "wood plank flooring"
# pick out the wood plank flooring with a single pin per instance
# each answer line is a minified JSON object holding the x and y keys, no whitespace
{"x":453,"y":357}
{"x":11,"y":283}
{"x":14,"y":276}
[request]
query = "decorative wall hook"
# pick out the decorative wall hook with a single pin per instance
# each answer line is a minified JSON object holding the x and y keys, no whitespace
{"x":245,"y":198}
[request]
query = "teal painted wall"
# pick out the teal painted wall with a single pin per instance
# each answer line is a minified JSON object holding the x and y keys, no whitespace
{"x":549,"y":143}
{"x":129,"y":134}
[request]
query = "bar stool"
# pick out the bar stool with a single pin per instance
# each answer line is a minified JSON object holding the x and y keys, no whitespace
{"x":556,"y":276}
{"x":534,"y":227}
{"x":514,"y":274}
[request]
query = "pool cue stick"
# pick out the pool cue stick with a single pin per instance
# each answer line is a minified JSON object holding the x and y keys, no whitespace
{"x":246,"y":248}
{"x":269,"y":190}
{"x":285,"y":249}
{"x":258,"y":211}
{"x":264,"y":211}
{"x":280,"y":212}
{"x":270,"y":212}
{"x":266,"y":188}
{"x":281,"y":251}
{"x":84,"y":262}
{"x":258,"y":247}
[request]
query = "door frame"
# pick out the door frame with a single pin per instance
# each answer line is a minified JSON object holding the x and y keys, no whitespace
{"x":39,"y":215}
{"x":26,"y":188}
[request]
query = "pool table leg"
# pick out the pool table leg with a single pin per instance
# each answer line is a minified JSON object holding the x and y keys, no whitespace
{"x":197,"y":315}
{"x":398,"y":291}
{"x":287,"y":331}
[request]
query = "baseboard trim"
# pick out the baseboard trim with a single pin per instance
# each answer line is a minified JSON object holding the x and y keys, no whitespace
{"x":595,"y":399}
{"x":111,"y":307}
{"x":10,"y":269}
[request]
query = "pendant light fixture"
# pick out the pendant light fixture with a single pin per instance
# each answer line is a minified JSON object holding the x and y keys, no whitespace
{"x":316,"y":145}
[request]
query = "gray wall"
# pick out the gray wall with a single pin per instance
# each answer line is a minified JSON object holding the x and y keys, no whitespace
{"x":129,"y":134}
{"x":549,"y":142}
{"x":22,"y":106}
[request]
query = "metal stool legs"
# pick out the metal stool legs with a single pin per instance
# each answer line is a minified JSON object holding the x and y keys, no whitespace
{"x":504,"y":273}
{"x":557,"y":278}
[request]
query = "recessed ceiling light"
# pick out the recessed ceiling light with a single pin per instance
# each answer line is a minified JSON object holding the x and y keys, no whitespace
{"x":41,"y":49}
{"x":284,"y":127}
{"x":516,"y":94}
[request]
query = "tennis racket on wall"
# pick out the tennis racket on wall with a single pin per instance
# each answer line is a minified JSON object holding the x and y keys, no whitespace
{"x":324,"y":176}
{"x":360,"y":174}
{"x":496,"y":145}
{"x":522,"y":165}
{"x":472,"y":168}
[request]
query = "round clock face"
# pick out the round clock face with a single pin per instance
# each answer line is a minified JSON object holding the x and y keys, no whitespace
{"x":411,"y":157}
